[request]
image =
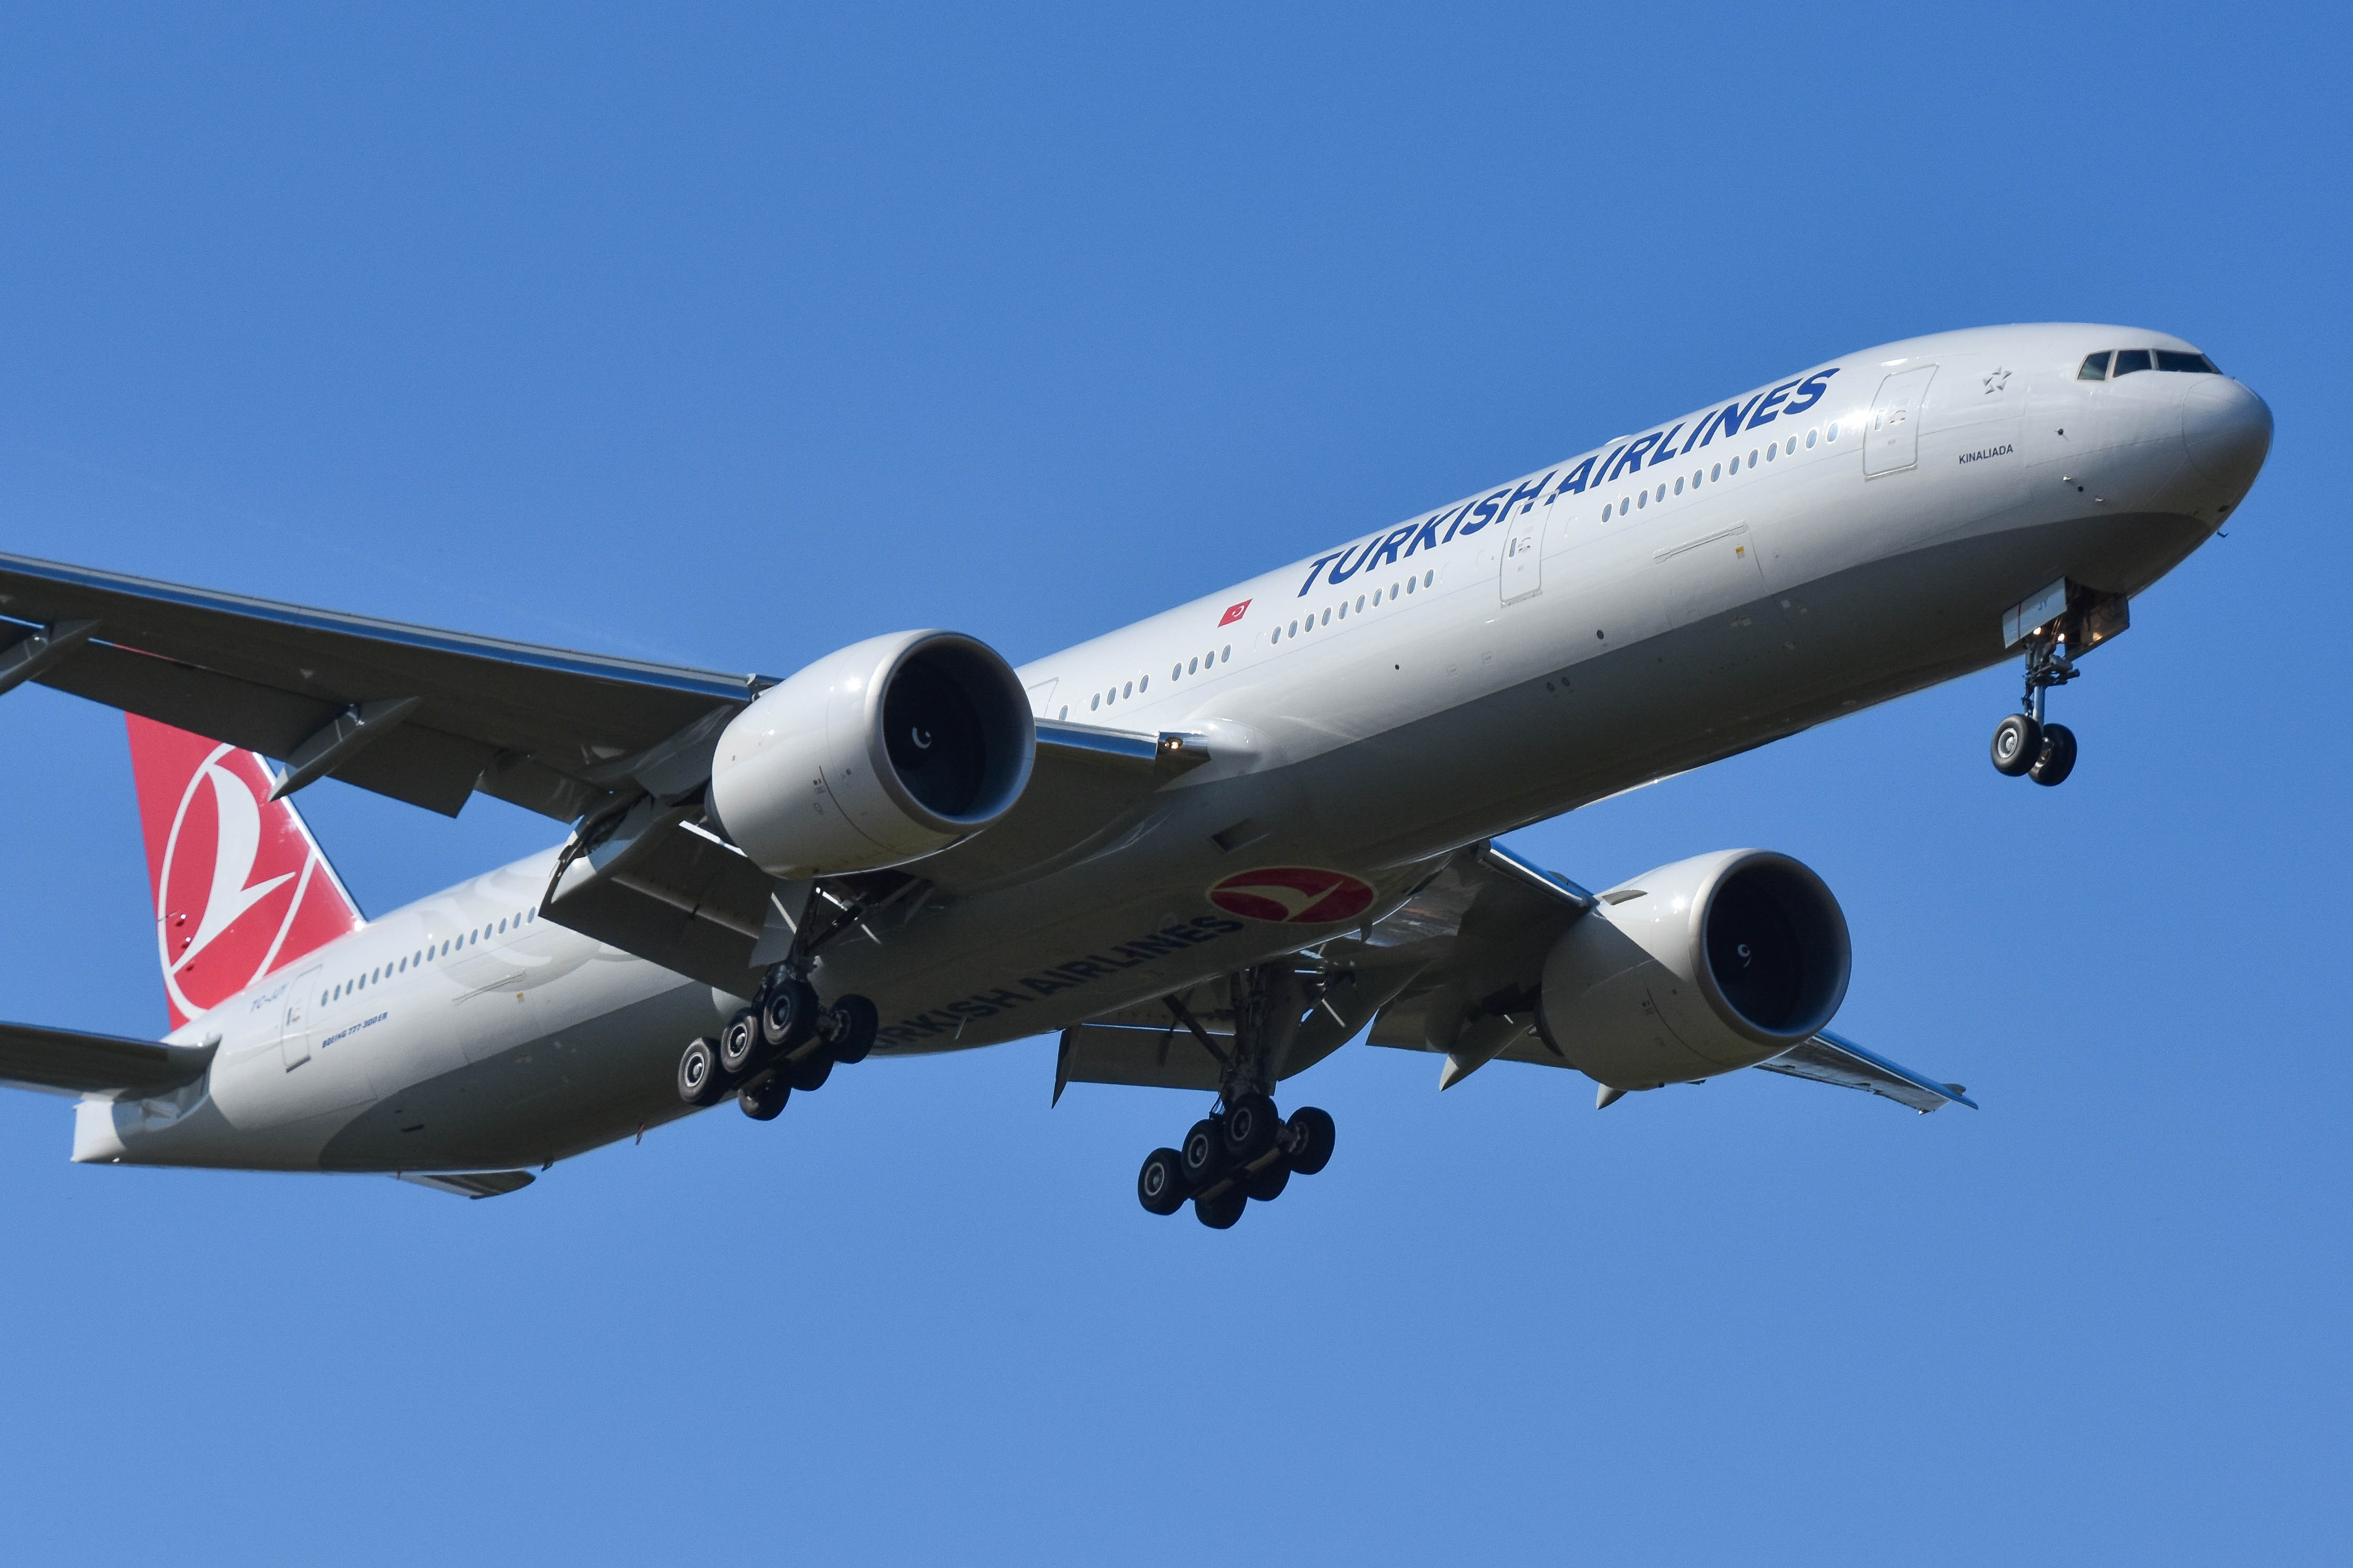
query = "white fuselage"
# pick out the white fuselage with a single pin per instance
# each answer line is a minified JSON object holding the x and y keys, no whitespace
{"x":1598,"y":623}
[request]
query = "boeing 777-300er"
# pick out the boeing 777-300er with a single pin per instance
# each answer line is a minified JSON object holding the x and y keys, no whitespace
{"x":1207,"y":849}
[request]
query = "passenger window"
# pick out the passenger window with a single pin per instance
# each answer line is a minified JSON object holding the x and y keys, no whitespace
{"x":1409,"y":585}
{"x":1428,"y":578}
{"x":2196,"y":364}
{"x":1716,"y":472}
{"x":1360,"y":603}
{"x":1793,"y":446}
{"x":1643,"y":499}
{"x":502,"y":926}
{"x":1833,"y":433}
{"x":1294,"y":628}
{"x":1752,"y":457}
{"x":1094,"y":702}
{"x":1144,"y":684}
{"x":2129,"y":361}
{"x":1809,"y":438}
{"x":2095,"y":367}
{"x":1326,"y":620}
{"x":1065,"y":712}
{"x":1228,"y":653}
{"x":1175,"y":671}
{"x":1343,"y":609}
{"x":1678,"y":484}
{"x":1663,"y":492}
{"x":1772,"y":451}
{"x":1605,"y":514}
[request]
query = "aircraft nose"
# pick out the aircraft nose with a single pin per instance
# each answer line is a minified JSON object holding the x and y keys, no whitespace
{"x":2228,"y":430}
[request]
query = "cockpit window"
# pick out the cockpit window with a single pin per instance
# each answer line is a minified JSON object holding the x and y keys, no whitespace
{"x":2131,"y":360}
{"x":2196,"y":364}
{"x":2095,"y":367}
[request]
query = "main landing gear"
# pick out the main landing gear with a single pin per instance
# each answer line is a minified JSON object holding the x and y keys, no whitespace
{"x":2023,"y":743}
{"x":1246,"y":1150}
{"x":784,"y":1042}
{"x":1243,"y":1149}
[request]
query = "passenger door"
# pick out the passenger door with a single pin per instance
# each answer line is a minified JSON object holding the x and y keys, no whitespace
{"x":294,"y":1028}
{"x":1522,"y":568}
{"x":1892,"y":441}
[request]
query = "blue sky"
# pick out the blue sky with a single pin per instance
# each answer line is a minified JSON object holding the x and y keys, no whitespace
{"x":730,"y":337}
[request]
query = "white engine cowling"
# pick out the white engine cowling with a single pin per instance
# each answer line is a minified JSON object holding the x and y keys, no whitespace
{"x":887,"y":751}
{"x":1712,"y":963}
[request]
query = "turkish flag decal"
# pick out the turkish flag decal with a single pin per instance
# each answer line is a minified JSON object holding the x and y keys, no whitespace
{"x":1297,"y":894}
{"x":1235,"y":613}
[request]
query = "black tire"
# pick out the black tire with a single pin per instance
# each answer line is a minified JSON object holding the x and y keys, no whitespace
{"x":764,"y":1101}
{"x":700,"y":1082}
{"x":850,"y":1025}
{"x":1268,"y":1184}
{"x":787,"y":1015}
{"x":2017,"y":741}
{"x":2058,"y":758}
{"x":1160,"y":1185}
{"x":1311,"y":1137}
{"x":1251,"y":1126}
{"x":1220,"y":1212}
{"x":741,"y":1049}
{"x":1202,"y":1156}
{"x":809,"y":1073}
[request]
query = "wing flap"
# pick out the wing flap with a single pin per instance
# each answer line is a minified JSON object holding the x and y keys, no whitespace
{"x":70,"y":1061}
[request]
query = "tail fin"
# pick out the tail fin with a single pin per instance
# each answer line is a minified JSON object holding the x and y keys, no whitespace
{"x":241,"y":888}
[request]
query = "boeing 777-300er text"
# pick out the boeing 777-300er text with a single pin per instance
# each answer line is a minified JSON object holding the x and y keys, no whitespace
{"x":1207,"y":849}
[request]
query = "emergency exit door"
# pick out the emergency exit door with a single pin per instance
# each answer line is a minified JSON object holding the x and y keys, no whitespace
{"x":1523,"y":570}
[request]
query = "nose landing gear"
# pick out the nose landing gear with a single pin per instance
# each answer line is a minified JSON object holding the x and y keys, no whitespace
{"x":2024,"y":745}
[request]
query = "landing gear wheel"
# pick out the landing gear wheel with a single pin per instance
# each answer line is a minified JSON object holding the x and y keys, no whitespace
{"x":787,"y":1014}
{"x":809,"y":1073}
{"x":2017,"y":743}
{"x":1252,"y":1124}
{"x":1268,"y":1184}
{"x":1203,"y":1156}
{"x":1309,"y":1136}
{"x":764,"y":1101}
{"x":740,"y":1045}
{"x":849,"y":1026}
{"x":1220,"y":1212}
{"x":700,"y":1082}
{"x":2058,"y":756}
{"x":1160,"y":1185}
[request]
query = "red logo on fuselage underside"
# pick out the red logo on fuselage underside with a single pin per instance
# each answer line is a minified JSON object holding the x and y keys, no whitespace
{"x":1301,"y":895}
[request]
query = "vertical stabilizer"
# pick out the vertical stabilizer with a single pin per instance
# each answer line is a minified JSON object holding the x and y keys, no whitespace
{"x":241,"y":888}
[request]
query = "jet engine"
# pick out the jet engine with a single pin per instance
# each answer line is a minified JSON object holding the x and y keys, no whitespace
{"x":883,"y":752}
{"x":1695,"y":969}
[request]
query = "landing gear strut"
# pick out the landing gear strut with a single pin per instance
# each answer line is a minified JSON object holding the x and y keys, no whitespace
{"x":785,"y":1041}
{"x":2023,"y":743}
{"x":1243,"y":1149}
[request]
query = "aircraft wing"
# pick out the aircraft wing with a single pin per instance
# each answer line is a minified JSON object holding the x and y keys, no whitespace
{"x":1833,"y":1058}
{"x":422,"y":715}
{"x":68,"y":1061}
{"x":427,"y":716}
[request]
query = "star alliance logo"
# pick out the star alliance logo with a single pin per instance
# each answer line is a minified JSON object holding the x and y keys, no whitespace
{"x":1995,"y":381}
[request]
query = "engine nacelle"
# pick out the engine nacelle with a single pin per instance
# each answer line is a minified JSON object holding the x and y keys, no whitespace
{"x":887,"y":751}
{"x":1696,"y":968}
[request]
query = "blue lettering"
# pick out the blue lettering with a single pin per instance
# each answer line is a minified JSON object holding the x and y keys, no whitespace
{"x":1343,"y":569}
{"x":1316,"y":570}
{"x":1388,"y":548}
{"x":1525,"y":498}
{"x":1633,"y":460}
{"x":1728,"y":421}
{"x":1426,"y":534}
{"x":1577,"y":476}
{"x":1811,"y":391}
{"x":1485,"y":513}
{"x":1459,"y":513}
{"x":1764,"y":414}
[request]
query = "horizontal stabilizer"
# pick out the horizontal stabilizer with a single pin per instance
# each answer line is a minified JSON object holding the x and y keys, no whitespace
{"x":66,"y":1061}
{"x":1832,"y":1059}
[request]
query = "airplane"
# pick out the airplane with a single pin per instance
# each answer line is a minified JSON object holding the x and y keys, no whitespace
{"x":1205,"y":850}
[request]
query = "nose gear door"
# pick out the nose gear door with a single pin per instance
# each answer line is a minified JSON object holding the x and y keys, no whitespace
{"x":1892,"y":441}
